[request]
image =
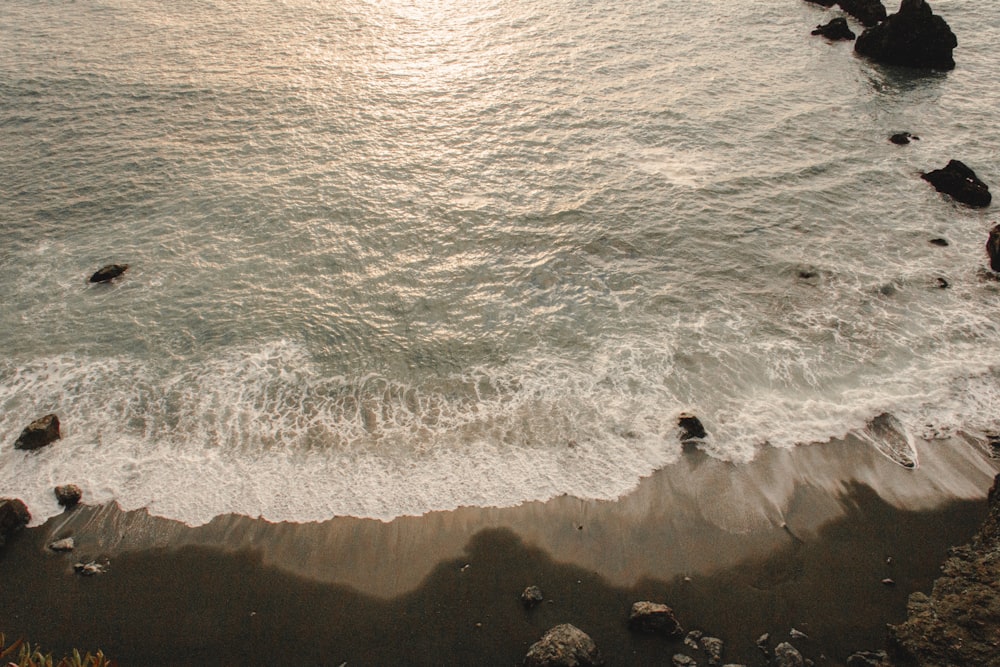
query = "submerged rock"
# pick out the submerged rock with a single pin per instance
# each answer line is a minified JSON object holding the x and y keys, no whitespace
{"x":939,"y":242}
{"x":14,"y":516}
{"x":835,"y":29}
{"x":108,"y":273}
{"x":691,"y":426}
{"x":564,"y":646}
{"x":39,"y":433}
{"x":654,"y":618}
{"x":868,"y":12}
{"x":903,"y":138}
{"x":912,"y":37}
{"x":960,"y":183}
{"x":68,"y":495}
{"x":993,"y":248}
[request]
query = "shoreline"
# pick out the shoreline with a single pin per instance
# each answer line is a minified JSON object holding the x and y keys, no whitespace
{"x":800,"y":538}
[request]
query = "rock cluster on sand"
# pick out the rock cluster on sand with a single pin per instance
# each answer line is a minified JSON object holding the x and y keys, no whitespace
{"x":43,"y":431}
{"x":564,"y":646}
{"x":959,"y":622}
{"x":912,"y":37}
{"x":13,"y":517}
{"x":960,"y":183}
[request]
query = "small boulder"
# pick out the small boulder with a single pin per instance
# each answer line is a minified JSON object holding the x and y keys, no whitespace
{"x":993,"y":247}
{"x":532,"y":597}
{"x":681,"y":660}
{"x":68,"y":495}
{"x":14,"y":516}
{"x":691,"y":426}
{"x":65,"y":544}
{"x":912,"y":37}
{"x":564,"y":646}
{"x":692,"y":638}
{"x":90,"y":569}
{"x":43,"y":431}
{"x":108,"y":273}
{"x":903,"y":138}
{"x":960,"y":183}
{"x":868,"y":12}
{"x":786,"y":655}
{"x":653,"y":618}
{"x":835,"y":29}
{"x":713,"y":649}
{"x":867,"y":659}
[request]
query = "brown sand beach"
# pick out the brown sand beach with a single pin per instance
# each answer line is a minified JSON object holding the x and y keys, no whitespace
{"x":828,"y":540}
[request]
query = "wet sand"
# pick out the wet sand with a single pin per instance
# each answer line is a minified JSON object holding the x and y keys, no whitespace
{"x":800,"y":538}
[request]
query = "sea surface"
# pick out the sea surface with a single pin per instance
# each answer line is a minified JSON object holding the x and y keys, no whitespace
{"x":395,"y":256}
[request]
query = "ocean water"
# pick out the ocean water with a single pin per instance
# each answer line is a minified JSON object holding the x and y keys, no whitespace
{"x":395,"y":256}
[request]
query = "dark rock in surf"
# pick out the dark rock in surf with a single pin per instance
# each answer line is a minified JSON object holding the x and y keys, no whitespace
{"x":835,"y":29}
{"x":39,"y":433}
{"x":691,"y":427}
{"x":912,"y":37}
{"x":824,"y":3}
{"x":68,"y":495}
{"x":13,"y":517}
{"x":942,"y":283}
{"x":654,"y":618}
{"x":108,"y":273}
{"x":960,"y":183}
{"x":939,"y":242}
{"x":564,"y":646}
{"x":993,"y":248}
{"x":903,"y":138}
{"x":532,"y":597}
{"x":868,"y":12}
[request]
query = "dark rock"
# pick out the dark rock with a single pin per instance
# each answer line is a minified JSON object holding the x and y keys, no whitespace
{"x":903,"y":138}
{"x":108,"y":273}
{"x":993,"y":248}
{"x":961,"y":183}
{"x":90,"y":569}
{"x":942,"y":283}
{"x":835,"y":29}
{"x":939,"y":242}
{"x":532,"y":597}
{"x":564,"y":646}
{"x":68,"y":495}
{"x":912,"y":37}
{"x":786,"y":655}
{"x":653,"y":618}
{"x":868,"y":12}
{"x":959,"y":622}
{"x":65,"y":544}
{"x":713,"y":649}
{"x":867,"y":659}
{"x":691,"y":426}
{"x":825,"y":3}
{"x":43,"y":431}
{"x":13,"y":517}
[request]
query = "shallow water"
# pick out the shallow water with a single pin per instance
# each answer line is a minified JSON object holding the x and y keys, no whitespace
{"x":394,"y":257}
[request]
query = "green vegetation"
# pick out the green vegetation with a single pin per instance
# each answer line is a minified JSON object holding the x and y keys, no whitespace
{"x":26,"y":656}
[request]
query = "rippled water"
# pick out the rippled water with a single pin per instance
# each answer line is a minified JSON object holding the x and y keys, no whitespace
{"x":396,"y":256}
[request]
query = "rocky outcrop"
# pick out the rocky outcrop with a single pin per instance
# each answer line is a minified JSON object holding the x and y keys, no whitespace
{"x":564,"y":646}
{"x":68,"y":495}
{"x":691,"y":426}
{"x":959,"y":622}
{"x":912,"y":37}
{"x":993,"y":248}
{"x":960,"y":183}
{"x":108,"y":273}
{"x":13,"y":517}
{"x":653,"y":618}
{"x":868,"y":12}
{"x":835,"y":29}
{"x":43,"y":431}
